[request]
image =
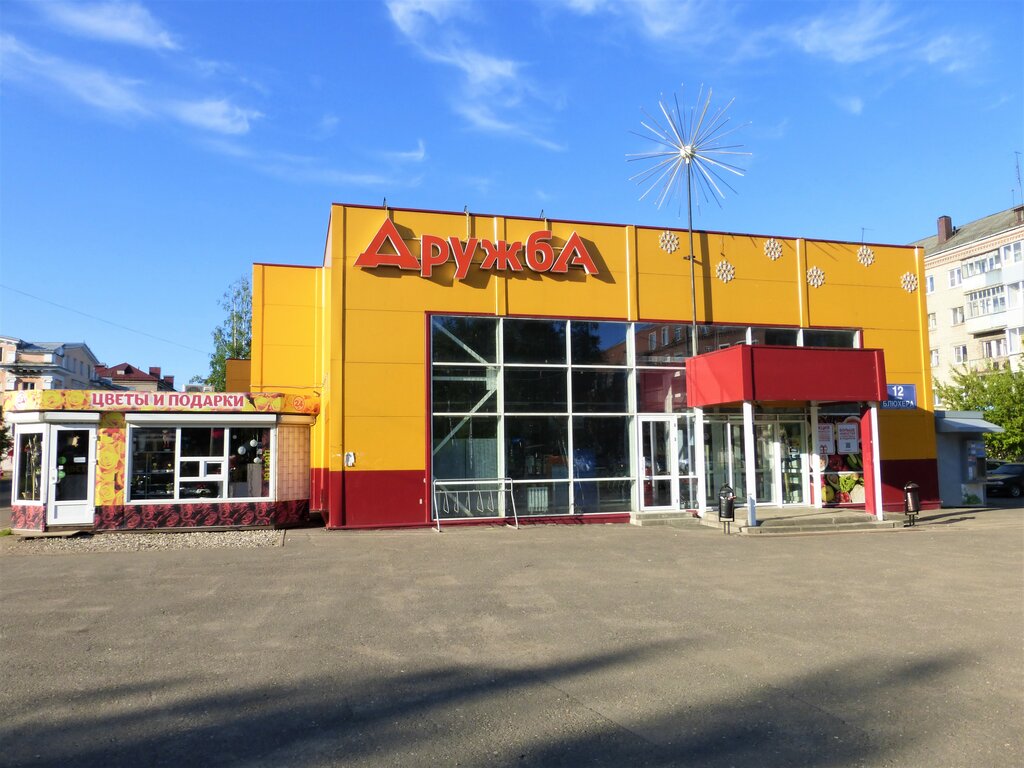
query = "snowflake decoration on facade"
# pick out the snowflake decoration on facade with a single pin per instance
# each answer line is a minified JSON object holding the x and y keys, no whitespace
{"x":909,"y":282}
{"x":669,"y":242}
{"x":772,"y":249}
{"x":725,"y":271}
{"x":865,"y":256}
{"x":815,"y":277}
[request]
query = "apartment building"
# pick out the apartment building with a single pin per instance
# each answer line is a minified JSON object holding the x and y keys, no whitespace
{"x":974,"y":287}
{"x":47,"y":365}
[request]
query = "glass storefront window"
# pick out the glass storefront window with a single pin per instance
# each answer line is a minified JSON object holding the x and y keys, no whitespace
{"x":465,"y":448}
{"x":591,"y":496}
{"x":201,"y":462}
{"x":712,"y":337}
{"x":464,"y":339}
{"x":598,"y":343}
{"x":536,"y":390}
{"x":782,"y":337}
{"x":660,"y":390}
{"x":541,"y":499}
{"x":202,"y":441}
{"x":536,"y":447}
{"x":600,"y":446}
{"x":816,"y":338}
{"x":461,"y":389}
{"x":599,"y":391}
{"x":535,"y":341}
{"x":659,"y":344}
{"x":248,"y":462}
{"x":29,"y":481}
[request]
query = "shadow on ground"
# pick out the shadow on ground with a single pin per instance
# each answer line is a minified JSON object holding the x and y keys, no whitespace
{"x":493,"y":715}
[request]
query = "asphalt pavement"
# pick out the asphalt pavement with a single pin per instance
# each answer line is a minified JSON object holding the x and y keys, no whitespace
{"x":547,"y":646}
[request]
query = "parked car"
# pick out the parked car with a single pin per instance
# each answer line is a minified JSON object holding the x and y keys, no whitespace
{"x":993,"y":465}
{"x":1008,"y":479}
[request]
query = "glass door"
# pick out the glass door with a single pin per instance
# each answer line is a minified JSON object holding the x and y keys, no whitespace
{"x":765,"y":462}
{"x":71,"y":465}
{"x":793,"y":451}
{"x":659,"y":464}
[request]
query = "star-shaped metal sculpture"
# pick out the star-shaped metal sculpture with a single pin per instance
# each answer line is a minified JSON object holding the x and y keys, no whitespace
{"x":687,"y":140}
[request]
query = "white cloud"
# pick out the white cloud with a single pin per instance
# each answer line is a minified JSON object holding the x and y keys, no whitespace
{"x":852,"y":104}
{"x":863,"y":32}
{"x":92,"y":86}
{"x":489,"y":83}
{"x":304,"y":169}
{"x":218,"y":115}
{"x":700,"y":21}
{"x":417,"y":155}
{"x":117,"y":22}
{"x":117,"y":95}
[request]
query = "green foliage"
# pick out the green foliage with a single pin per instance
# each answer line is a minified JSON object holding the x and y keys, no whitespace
{"x":6,"y":439}
{"x":999,"y":395}
{"x":233,"y":337}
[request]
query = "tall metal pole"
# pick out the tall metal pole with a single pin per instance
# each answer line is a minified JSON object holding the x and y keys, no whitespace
{"x":693,"y":279}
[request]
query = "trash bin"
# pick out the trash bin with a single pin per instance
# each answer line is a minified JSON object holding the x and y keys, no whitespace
{"x":911,"y":501}
{"x":726,"y":504}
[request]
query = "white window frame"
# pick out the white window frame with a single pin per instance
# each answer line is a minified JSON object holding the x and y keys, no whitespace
{"x":955,"y":277}
{"x":957,"y":315}
{"x":929,"y":283}
{"x":959,"y":353}
{"x":934,"y":354}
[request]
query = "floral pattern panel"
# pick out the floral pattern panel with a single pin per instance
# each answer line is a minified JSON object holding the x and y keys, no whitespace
{"x":222,"y":515}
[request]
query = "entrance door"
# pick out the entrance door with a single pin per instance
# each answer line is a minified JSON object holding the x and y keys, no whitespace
{"x":72,"y":458}
{"x":793,"y":450}
{"x":661,"y":440}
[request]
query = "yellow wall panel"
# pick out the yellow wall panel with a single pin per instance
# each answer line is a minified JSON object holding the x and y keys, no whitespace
{"x":375,"y":336}
{"x":907,"y":434}
{"x":389,"y":442}
{"x":854,"y":306}
{"x":385,"y":389}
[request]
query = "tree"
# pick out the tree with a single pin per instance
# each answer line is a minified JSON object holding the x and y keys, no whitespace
{"x":999,"y":394}
{"x":233,"y":337}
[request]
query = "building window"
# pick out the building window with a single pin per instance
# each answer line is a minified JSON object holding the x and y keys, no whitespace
{"x":1012,"y":252}
{"x":994,"y":348}
{"x":960,"y":353}
{"x":935,"y":357}
{"x":199,"y":463}
{"x":987,"y":301}
{"x":679,"y":334}
{"x":957,"y":315}
{"x":932,"y":322}
{"x":652,"y":341}
{"x":954,"y":277}
{"x":26,"y":385}
{"x":929,"y":283}
{"x":1013,"y":338}
{"x":664,"y":336}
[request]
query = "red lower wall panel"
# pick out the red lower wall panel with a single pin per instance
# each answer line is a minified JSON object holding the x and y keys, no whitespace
{"x":381,"y":499}
{"x":898,"y":472}
{"x":27,"y":518}
{"x":245,"y":514}
{"x":318,"y":479}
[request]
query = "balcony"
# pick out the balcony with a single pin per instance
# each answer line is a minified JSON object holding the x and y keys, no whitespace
{"x":977,"y":326}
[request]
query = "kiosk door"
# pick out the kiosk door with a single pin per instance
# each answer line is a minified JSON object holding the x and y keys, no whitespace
{"x":72,"y":460}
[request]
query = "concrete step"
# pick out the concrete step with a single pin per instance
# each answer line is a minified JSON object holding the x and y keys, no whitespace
{"x":843,"y":527}
{"x":674,"y":518}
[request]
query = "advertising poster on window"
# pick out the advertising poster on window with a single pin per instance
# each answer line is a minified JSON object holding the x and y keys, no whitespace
{"x":842,"y":479}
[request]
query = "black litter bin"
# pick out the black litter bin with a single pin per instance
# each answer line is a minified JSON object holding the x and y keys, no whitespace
{"x":911,"y":501}
{"x":726,"y":504}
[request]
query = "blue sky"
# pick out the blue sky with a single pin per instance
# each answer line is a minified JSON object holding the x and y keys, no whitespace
{"x":150,"y":152}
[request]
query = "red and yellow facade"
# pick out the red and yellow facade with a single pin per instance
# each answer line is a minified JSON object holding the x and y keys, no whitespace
{"x":355,"y":333}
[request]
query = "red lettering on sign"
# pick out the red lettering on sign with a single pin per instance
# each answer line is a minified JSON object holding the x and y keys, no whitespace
{"x":463,"y":256}
{"x":540,"y":256}
{"x":501,"y":256}
{"x":574,"y":254}
{"x":402,"y":258}
{"x":433,"y":252}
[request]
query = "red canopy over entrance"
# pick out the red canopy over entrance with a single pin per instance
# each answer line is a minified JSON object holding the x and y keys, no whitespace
{"x":749,"y":373}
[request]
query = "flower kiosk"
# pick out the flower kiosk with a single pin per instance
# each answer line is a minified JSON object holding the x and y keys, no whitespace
{"x":103,"y":461}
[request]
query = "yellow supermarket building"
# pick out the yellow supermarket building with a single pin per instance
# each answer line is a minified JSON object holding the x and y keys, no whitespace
{"x":452,"y":367}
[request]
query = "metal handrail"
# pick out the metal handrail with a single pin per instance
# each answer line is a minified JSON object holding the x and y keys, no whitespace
{"x":448,"y":502}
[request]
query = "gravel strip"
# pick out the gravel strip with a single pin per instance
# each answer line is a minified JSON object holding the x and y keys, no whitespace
{"x":138,"y":542}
